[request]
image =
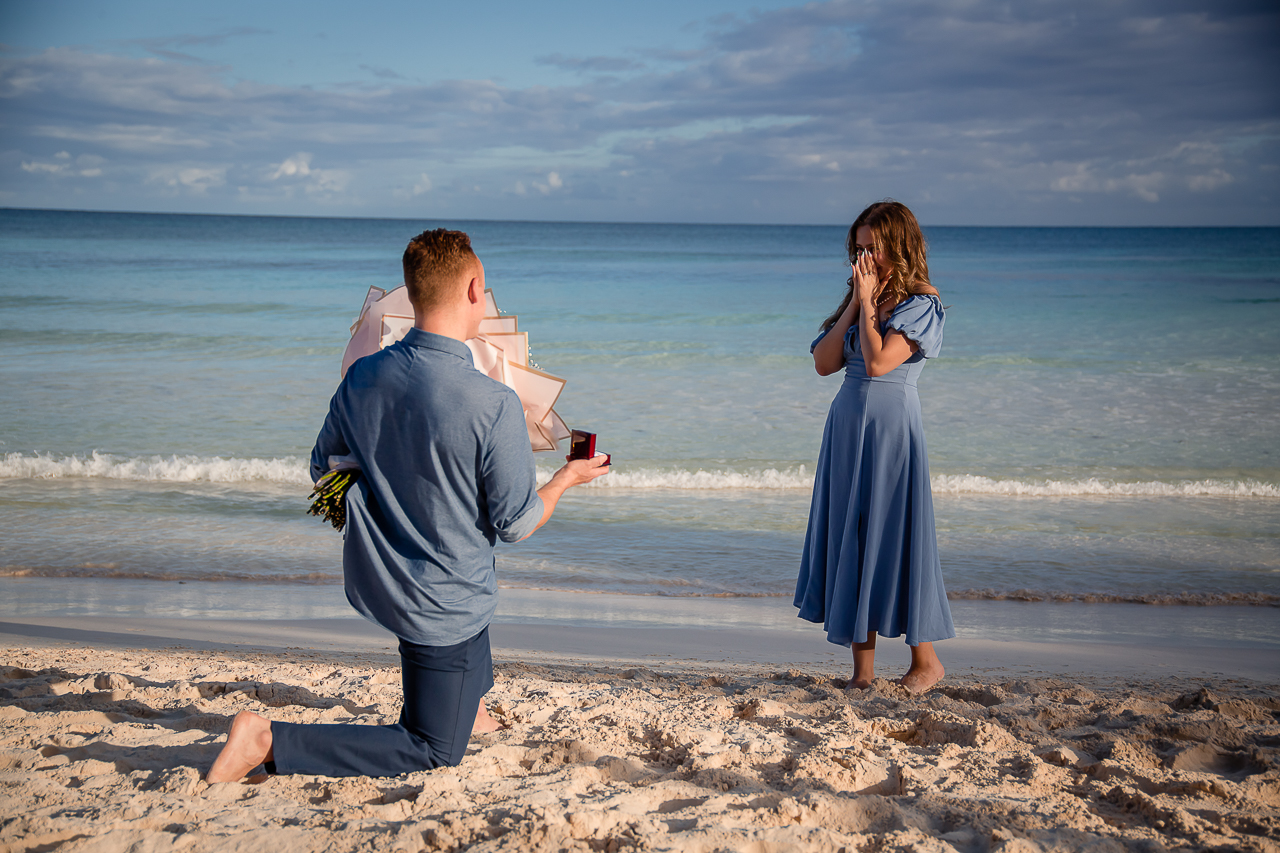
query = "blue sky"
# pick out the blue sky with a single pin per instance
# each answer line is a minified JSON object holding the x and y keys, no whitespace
{"x":1116,"y":112}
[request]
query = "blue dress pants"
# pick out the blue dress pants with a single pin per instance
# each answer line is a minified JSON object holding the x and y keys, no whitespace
{"x":443,"y":686}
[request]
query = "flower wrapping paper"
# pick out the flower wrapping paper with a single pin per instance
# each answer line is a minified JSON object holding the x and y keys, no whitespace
{"x":500,"y":351}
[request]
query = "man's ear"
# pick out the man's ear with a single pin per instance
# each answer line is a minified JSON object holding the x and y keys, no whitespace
{"x":475,"y":290}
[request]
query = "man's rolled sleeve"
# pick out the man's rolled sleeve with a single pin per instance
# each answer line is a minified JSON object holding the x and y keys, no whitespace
{"x":509,"y":475}
{"x":525,"y":524}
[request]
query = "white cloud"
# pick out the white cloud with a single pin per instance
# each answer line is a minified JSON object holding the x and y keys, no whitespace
{"x":1210,"y":181}
{"x":806,"y":161}
{"x":86,"y":165}
{"x":328,"y":181}
{"x":553,"y":183}
{"x":50,"y":168}
{"x":297,"y":165}
{"x":1085,"y":179}
{"x":421,"y":186}
{"x":1197,"y":153}
{"x":199,"y":179}
{"x":1144,"y":187}
{"x":1147,"y":185}
{"x":194,"y":179}
{"x":1081,"y":179}
{"x":315,"y":182}
{"x":149,"y":139}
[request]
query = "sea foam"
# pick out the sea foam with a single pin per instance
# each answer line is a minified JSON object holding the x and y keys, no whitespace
{"x":952,"y":484}
{"x":700,"y":479}
{"x":961,"y":484}
{"x":293,"y":471}
{"x":154,"y":469}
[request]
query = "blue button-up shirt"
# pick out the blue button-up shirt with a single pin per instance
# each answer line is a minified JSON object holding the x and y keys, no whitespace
{"x":446,"y":471}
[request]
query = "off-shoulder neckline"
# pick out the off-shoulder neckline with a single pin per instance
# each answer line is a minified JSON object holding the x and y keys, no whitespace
{"x":934,"y":296}
{"x":931,"y":296}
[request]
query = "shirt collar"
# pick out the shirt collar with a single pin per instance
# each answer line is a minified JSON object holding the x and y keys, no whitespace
{"x":418,"y":338}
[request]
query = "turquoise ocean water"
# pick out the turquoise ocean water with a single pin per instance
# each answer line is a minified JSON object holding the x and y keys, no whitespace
{"x":1101,"y":423}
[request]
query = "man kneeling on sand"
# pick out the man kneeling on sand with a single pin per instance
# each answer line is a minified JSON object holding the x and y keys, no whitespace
{"x":446,"y":469}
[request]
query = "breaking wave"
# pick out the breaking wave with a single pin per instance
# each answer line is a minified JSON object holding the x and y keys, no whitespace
{"x":959,"y":484}
{"x":949,"y":484}
{"x":155,"y":469}
{"x":701,"y":480}
{"x":293,"y":471}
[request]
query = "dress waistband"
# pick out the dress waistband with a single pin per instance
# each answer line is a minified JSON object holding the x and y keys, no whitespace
{"x":888,"y":379}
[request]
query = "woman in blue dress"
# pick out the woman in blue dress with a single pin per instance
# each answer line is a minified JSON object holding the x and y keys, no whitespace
{"x":870,"y":565}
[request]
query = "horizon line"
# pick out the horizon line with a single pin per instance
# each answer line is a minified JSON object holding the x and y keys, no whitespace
{"x":577,"y":221}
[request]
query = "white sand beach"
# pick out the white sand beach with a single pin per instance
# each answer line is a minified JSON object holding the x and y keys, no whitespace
{"x":626,"y":738}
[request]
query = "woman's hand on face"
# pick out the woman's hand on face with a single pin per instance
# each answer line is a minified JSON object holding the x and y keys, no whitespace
{"x":866,"y":281}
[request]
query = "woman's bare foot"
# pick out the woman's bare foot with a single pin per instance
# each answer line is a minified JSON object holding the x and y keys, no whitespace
{"x":920,"y":680}
{"x":248,"y":745}
{"x":485,"y":723}
{"x":864,"y":663}
{"x":926,"y":670}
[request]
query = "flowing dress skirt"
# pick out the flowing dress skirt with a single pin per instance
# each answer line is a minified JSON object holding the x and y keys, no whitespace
{"x":870,"y":562}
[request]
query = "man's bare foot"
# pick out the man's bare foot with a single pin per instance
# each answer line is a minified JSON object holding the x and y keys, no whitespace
{"x":485,"y":723}
{"x":921,"y":676}
{"x":862,"y":682}
{"x":248,"y":745}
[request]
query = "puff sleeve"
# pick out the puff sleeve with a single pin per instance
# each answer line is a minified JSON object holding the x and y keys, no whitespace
{"x":848,"y":338}
{"x":920,"y":318}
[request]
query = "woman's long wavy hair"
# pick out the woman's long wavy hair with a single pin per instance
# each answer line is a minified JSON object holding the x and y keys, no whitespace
{"x":897,"y":234}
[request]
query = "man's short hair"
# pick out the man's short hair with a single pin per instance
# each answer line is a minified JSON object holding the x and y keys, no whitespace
{"x":433,"y":263}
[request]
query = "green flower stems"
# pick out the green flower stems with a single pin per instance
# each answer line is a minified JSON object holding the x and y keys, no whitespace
{"x":329,"y":497}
